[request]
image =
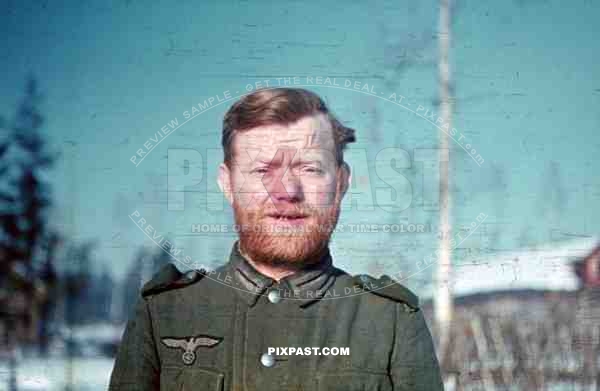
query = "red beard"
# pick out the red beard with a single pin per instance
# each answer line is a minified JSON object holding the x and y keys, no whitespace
{"x":266,"y":242}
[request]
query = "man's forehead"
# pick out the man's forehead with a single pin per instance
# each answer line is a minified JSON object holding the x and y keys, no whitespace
{"x":309,"y":132}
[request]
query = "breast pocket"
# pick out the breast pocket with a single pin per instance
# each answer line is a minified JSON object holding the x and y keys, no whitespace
{"x":191,"y":379}
{"x":353,"y":381}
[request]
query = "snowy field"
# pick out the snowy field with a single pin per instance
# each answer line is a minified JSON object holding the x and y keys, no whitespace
{"x":89,"y":374}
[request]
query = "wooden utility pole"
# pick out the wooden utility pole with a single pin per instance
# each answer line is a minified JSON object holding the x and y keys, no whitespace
{"x":443,"y":297}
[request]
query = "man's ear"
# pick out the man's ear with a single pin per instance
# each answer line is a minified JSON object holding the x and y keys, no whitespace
{"x":224,"y":181}
{"x":345,"y":178}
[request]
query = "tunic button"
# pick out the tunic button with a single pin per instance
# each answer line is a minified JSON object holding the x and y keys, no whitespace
{"x":274,"y":297}
{"x":267,"y":360}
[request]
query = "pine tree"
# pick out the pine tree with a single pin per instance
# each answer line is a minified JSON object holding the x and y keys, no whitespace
{"x":27,"y":223}
{"x":25,"y":199}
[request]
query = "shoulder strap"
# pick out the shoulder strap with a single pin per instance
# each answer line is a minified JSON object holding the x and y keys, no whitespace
{"x":385,"y":286}
{"x":169,"y":277}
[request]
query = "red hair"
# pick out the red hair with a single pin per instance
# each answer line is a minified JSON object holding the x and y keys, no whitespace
{"x":279,"y":106}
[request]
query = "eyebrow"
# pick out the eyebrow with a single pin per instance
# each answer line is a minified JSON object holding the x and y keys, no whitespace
{"x":309,"y":160}
{"x":297,"y":162}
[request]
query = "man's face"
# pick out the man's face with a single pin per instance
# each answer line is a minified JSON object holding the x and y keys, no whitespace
{"x":285,"y":188}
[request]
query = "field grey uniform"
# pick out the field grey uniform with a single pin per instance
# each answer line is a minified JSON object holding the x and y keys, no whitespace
{"x":211,"y":331}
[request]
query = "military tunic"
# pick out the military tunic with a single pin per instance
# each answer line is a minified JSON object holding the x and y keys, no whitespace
{"x":211,"y":331}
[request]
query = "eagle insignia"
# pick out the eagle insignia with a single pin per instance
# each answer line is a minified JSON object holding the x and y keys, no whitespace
{"x":189,"y":345}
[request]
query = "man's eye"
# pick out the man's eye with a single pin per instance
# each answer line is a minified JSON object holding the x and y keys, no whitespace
{"x":260,"y":170}
{"x":312,"y":170}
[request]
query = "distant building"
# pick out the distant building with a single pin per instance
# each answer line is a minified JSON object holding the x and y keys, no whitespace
{"x":587,"y":269}
{"x":528,"y":280}
{"x":526,"y":318}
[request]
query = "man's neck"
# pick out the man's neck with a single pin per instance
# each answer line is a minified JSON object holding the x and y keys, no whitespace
{"x":275,"y":272}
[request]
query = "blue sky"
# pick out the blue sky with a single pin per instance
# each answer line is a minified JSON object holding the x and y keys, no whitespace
{"x":527,"y":91}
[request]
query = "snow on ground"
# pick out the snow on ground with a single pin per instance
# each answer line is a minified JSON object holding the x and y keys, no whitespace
{"x":89,"y":374}
{"x":547,"y":267}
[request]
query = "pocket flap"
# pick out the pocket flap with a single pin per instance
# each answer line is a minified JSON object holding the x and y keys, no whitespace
{"x":354,"y":381}
{"x":191,"y":379}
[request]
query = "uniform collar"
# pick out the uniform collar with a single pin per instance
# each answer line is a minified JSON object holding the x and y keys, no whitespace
{"x":301,"y":288}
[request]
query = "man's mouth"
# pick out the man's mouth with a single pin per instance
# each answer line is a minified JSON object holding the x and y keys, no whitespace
{"x":290,"y":218}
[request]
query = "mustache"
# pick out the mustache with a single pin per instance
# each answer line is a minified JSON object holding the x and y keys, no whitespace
{"x":293,"y":212}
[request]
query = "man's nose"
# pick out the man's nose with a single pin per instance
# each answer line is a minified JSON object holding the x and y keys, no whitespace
{"x":286,"y":187}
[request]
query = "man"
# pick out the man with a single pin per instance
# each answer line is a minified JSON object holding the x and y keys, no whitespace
{"x":284,"y":175}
